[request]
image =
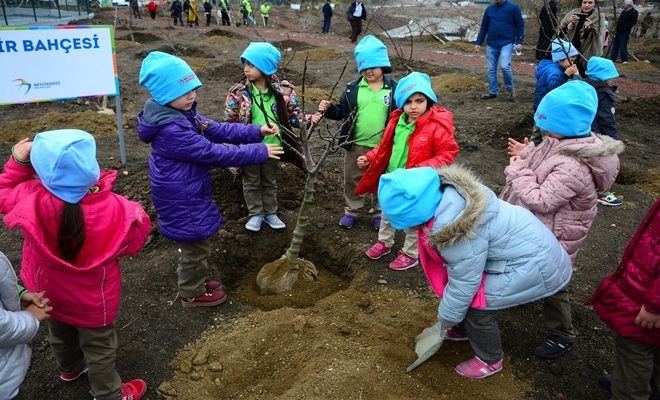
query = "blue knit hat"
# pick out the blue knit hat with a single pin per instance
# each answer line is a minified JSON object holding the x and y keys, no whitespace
{"x":264,"y":56}
{"x":65,"y":161}
{"x":568,"y":110}
{"x":414,"y":82}
{"x":167,"y":77}
{"x":560,"y":48}
{"x":371,"y":53}
{"x":601,"y":69}
{"x":409,"y":197}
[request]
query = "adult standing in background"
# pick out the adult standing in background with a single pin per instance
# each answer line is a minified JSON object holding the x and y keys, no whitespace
{"x":356,"y":13}
{"x":224,"y":12}
{"x":264,"y":9}
{"x":585,"y":28}
{"x":547,"y":30}
{"x":135,"y":7}
{"x":327,"y":16}
{"x":627,"y":19}
{"x":504,"y":29}
{"x":177,"y":10}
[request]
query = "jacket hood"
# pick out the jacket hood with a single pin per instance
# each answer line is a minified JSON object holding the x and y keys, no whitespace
{"x":154,"y":115}
{"x":544,"y":66}
{"x":435,"y":114}
{"x":599,"y":153}
{"x":466,"y":217}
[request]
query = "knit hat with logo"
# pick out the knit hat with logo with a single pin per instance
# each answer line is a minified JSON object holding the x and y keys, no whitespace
{"x":414,"y":82}
{"x":167,"y":77}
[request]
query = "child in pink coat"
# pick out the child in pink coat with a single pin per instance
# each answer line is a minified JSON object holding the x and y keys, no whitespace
{"x":557,"y":181}
{"x":75,"y":229}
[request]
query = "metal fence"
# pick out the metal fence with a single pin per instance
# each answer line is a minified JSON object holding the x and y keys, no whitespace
{"x":26,"y":12}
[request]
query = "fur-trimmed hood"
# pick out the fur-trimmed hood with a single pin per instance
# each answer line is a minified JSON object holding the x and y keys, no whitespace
{"x":457,"y":218}
{"x":599,"y":153}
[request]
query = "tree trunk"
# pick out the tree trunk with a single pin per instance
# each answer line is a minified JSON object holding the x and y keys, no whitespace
{"x":293,"y":251}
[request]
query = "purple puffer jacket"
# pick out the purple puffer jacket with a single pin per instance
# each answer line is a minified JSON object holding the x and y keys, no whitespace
{"x":184,"y":146}
{"x":557,"y":181}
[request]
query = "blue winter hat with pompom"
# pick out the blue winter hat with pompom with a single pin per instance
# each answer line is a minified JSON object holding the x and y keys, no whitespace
{"x":414,"y":82}
{"x":568,"y":110}
{"x":601,"y":69}
{"x":371,"y":53}
{"x":65,"y":161}
{"x":560,"y":48}
{"x":167,"y":77}
{"x":409,"y":197}
{"x":264,"y":56}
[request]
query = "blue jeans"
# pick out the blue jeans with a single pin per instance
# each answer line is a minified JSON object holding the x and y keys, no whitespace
{"x":326,"y":24}
{"x":620,"y":42}
{"x":503,"y":57}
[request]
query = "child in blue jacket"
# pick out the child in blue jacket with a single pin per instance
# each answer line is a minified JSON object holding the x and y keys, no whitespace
{"x":185,"y":145}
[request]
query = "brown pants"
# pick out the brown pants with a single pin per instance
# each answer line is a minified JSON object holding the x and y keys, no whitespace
{"x":260,"y":188}
{"x":636,"y":374}
{"x":557,"y":313}
{"x":356,"y":28}
{"x":193,"y":269}
{"x":75,"y":346}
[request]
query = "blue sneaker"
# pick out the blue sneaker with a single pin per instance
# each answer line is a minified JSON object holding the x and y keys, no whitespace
{"x":347,"y":221}
{"x":609,"y":199}
{"x":275,"y":222}
{"x":254,"y":223}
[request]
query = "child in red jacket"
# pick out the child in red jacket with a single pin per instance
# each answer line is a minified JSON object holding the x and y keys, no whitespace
{"x":419,"y":134}
{"x":152,"y":7}
{"x":75,"y":229}
{"x":628,"y":301}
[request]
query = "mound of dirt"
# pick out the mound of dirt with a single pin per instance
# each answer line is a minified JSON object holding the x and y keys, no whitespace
{"x":121,"y":44}
{"x":314,"y":95}
{"x":218,"y":32}
{"x":454,"y":45}
{"x":142,"y":37}
{"x":319,"y":54}
{"x":293,"y":45}
{"x":348,"y":343}
{"x":218,"y":40}
{"x":455,"y":83}
{"x":641,"y":66}
{"x":198,"y":64}
{"x":90,"y":121}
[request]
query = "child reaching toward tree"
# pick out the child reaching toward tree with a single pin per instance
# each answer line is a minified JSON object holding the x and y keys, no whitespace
{"x":557,"y":181}
{"x":184,"y":146}
{"x":418,"y":134}
{"x":363,"y":107}
{"x":75,"y":229}
{"x":480,"y":254}
{"x":261,"y":98}
{"x":20,"y":314}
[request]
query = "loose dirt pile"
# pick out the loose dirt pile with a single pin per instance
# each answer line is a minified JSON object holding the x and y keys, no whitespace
{"x":217,"y":40}
{"x":198,"y":64}
{"x":641,"y":66}
{"x":90,"y":121}
{"x":353,"y":344}
{"x":455,"y":83}
{"x":319,"y":54}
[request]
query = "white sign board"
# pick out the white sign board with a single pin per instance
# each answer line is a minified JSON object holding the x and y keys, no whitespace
{"x":56,"y":63}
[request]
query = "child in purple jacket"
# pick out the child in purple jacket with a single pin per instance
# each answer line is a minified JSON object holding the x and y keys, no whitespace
{"x":185,"y":145}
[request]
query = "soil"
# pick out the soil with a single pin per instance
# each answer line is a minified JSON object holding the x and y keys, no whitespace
{"x":350,"y":335}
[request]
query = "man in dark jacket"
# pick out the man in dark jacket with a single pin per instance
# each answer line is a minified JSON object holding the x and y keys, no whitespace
{"x":624,"y":25}
{"x":548,"y":26}
{"x":327,"y":16}
{"x":356,"y":13}
{"x":503,"y":24}
{"x":177,"y":10}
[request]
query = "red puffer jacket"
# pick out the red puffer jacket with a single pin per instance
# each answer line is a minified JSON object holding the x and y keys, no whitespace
{"x":431,"y":144}
{"x":635,"y":283}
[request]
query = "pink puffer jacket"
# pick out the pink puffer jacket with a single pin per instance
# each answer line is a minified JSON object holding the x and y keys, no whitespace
{"x":557,"y":181}
{"x":85,"y":294}
{"x":634,"y":284}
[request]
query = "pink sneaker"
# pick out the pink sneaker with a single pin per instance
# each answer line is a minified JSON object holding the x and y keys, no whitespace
{"x":456,"y":335}
{"x":402,"y":262}
{"x":477,"y":369}
{"x":378,"y":250}
{"x":72,"y":376}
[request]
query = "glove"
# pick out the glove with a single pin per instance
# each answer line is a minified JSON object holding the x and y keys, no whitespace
{"x":428,"y":343}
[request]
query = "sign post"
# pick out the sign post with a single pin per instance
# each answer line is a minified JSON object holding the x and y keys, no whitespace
{"x":50,"y":63}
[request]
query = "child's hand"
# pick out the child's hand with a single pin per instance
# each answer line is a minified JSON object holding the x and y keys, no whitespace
{"x":21,"y":150}
{"x":316,"y":118}
{"x":513,"y":159}
{"x":38,"y":312}
{"x":572,"y":70}
{"x":514,"y":147}
{"x":324,"y":105}
{"x":274,"y":151}
{"x":270,"y":129}
{"x":362,"y":161}
{"x":647,"y":320}
{"x":37,"y":299}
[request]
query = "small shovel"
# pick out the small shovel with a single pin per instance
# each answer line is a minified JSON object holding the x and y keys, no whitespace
{"x":428,"y":343}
